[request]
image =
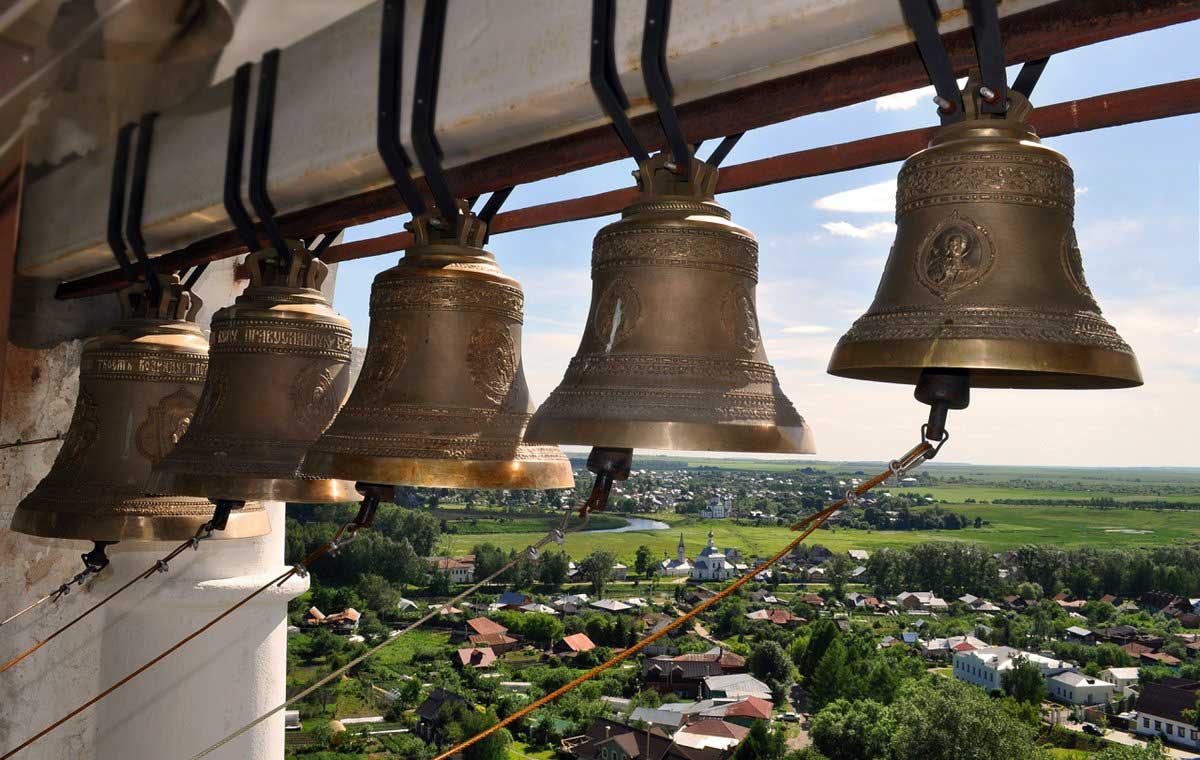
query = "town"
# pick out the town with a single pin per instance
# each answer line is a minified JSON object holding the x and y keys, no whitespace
{"x":875,"y":651}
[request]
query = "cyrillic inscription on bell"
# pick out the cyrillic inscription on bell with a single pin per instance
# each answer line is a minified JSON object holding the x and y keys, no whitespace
{"x":138,"y":388}
{"x":672,"y":356}
{"x":441,"y":400}
{"x":986,"y":274}
{"x":279,"y":371}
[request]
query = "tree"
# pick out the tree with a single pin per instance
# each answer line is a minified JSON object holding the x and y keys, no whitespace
{"x":377,"y":593}
{"x":935,"y":720}
{"x":644,"y":561}
{"x":553,"y":569}
{"x":822,"y":633}
{"x":488,"y":559}
{"x":840,"y":568}
{"x":1152,"y":751}
{"x":761,"y":744}
{"x":768,"y":662}
{"x":830,"y":676}
{"x":597,"y":569}
{"x":541,"y":629}
{"x":440,"y":583}
{"x":1024,"y":682}
{"x":846,"y":730}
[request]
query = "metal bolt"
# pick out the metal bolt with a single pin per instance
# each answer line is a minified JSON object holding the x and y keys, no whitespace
{"x":945,"y":106}
{"x":987,"y":93}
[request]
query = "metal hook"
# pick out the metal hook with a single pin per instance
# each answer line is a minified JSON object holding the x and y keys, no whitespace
{"x":116,"y":201}
{"x":260,"y":154}
{"x":603,"y":75}
{"x":234,"y":151}
{"x":989,"y":51}
{"x":387,"y":127}
{"x":922,"y":16}
{"x":137,"y":200}
{"x":425,"y":143}
{"x":658,"y":81}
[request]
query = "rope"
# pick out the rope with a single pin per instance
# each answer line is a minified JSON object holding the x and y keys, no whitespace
{"x":191,"y":542}
{"x":30,"y":442}
{"x":914,"y":457}
{"x":330,"y":546}
{"x":530,"y":551}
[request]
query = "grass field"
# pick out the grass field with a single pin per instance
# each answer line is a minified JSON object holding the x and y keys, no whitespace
{"x":1008,"y":527}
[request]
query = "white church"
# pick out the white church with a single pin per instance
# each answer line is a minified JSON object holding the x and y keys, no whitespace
{"x":678,"y":567}
{"x":713,"y":564}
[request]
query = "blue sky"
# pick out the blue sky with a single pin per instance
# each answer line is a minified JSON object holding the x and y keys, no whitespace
{"x":824,"y":240}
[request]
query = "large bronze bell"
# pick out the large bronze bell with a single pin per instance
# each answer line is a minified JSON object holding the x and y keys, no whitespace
{"x":280,"y":370}
{"x":138,"y":388}
{"x":441,"y":400}
{"x":985,"y":275}
{"x":671,"y":356}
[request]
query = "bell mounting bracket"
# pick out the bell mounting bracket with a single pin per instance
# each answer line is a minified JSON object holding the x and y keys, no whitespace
{"x":942,"y":389}
{"x":609,"y":465}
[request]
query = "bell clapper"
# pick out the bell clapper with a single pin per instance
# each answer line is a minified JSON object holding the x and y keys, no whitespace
{"x":93,"y":562}
{"x":609,"y":465}
{"x":221,"y":515}
{"x":943,"y":389}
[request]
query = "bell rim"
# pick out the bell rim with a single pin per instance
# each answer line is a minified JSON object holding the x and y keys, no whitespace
{"x":299,"y":490}
{"x":54,"y":524}
{"x":428,"y":472}
{"x":669,"y":435}
{"x":994,"y":363}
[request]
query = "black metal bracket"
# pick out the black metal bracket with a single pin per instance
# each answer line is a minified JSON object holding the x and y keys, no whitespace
{"x":989,"y":51}
{"x":605,"y":82}
{"x":942,"y":390}
{"x":490,"y":209}
{"x":190,"y":281}
{"x":223,"y":508}
{"x":609,"y":465}
{"x":387,"y":128}
{"x":425,"y":143}
{"x":373,"y":494}
{"x":116,"y":201}
{"x":260,"y":154}
{"x":137,"y":202}
{"x":722,"y":150}
{"x":323,"y":244}
{"x":96,"y":560}
{"x":658,"y":82}
{"x":234,"y":151}
{"x":921,"y":16}
{"x":1029,"y":75}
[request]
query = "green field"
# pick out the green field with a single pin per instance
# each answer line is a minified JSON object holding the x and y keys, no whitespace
{"x":1008,"y":527}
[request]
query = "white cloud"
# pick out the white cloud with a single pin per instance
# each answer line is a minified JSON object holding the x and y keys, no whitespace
{"x":879,"y":198}
{"x":908,"y":100}
{"x":846,"y":229}
{"x":1081,"y":191}
{"x":812,"y":329}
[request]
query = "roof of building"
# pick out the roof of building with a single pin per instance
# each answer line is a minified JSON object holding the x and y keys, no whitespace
{"x":483,"y":657}
{"x":750,"y":707}
{"x":484,"y":627}
{"x":602,"y":730}
{"x":1076,"y":630}
{"x":1121,"y":673}
{"x":491,"y":639}
{"x":717,"y":728}
{"x":611,"y":605}
{"x":513,"y":599}
{"x":658,"y":717}
{"x":738,"y":684}
{"x":1072,"y":678}
{"x":428,"y":709}
{"x":578,"y":642}
{"x":1168,"y":698}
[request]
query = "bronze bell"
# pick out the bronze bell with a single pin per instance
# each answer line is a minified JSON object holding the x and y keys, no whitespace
{"x":985,"y":275}
{"x":138,"y":388}
{"x":671,"y":356}
{"x":441,"y":400}
{"x":280,"y":371}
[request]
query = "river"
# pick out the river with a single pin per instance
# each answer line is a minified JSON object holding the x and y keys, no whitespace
{"x":635,"y":523}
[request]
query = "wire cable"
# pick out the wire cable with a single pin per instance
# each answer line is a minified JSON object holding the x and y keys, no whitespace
{"x":914,"y":457}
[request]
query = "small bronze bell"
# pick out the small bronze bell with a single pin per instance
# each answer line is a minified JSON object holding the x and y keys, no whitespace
{"x":280,"y":370}
{"x":671,"y":357}
{"x":985,"y":275}
{"x":138,"y":388}
{"x":441,"y":400}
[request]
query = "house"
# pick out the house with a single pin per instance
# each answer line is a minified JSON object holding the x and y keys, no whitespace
{"x":609,"y":740}
{"x":570,"y":603}
{"x":735,"y":685}
{"x":611,"y":605}
{"x":1158,"y":658}
{"x":815,"y":600}
{"x":712,"y":564}
{"x":570,"y":646}
{"x":1074,"y":688}
{"x":679,"y":567}
{"x":538,"y":608}
{"x":1160,"y":711}
{"x":482,"y":626}
{"x":344,"y":622}
{"x":921,"y":600}
{"x":743,"y":711}
{"x":513,"y":600}
{"x":776,"y":616}
{"x":669,"y":721}
{"x":858,"y":555}
{"x":471,"y":657}
{"x":501,"y":643}
{"x":1118,"y":634}
{"x":1080,"y":635}
{"x":620,"y":572}
{"x":684,"y":674}
{"x":429,"y":712}
{"x":1134,"y":649}
{"x":460,"y":569}
{"x":711,"y":734}
{"x":944,"y":649}
{"x":1124,"y":679}
{"x":406,"y":605}
{"x":985,"y":667}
